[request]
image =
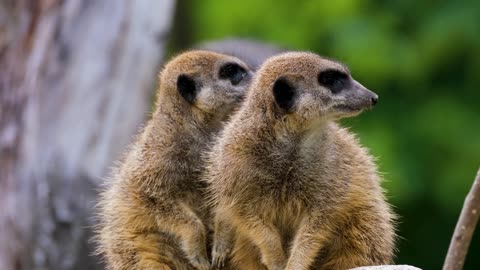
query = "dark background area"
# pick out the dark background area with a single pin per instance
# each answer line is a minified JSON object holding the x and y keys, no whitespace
{"x":421,"y":57}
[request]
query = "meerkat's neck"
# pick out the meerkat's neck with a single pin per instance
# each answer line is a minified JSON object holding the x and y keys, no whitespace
{"x":287,"y":138}
{"x":170,"y":140}
{"x":175,"y":118}
{"x":316,"y":135}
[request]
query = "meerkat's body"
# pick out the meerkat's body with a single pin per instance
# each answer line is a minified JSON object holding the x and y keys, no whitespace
{"x":298,"y":190}
{"x":152,"y":214}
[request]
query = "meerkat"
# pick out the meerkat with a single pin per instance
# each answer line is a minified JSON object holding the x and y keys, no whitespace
{"x":152,"y":214}
{"x":296,"y":190}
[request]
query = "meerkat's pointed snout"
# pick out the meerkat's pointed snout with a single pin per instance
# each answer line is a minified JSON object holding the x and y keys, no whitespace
{"x":362,"y":97}
{"x":247,"y":79}
{"x":371,"y":99}
{"x":375,"y":100}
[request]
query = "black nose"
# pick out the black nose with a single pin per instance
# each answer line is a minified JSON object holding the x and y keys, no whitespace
{"x":374,"y":100}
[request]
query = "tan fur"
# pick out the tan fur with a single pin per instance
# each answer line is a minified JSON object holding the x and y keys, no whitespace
{"x":152,"y":213}
{"x":299,"y":191}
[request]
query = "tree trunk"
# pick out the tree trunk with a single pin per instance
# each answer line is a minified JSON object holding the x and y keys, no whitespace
{"x":76,"y":78}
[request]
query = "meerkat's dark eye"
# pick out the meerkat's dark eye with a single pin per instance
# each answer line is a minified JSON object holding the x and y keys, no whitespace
{"x":187,"y":88}
{"x":233,"y":72}
{"x":284,"y":94}
{"x":333,"y":79}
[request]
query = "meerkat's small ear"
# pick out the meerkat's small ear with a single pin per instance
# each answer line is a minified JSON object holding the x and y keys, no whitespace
{"x":187,"y":88}
{"x":284,"y":93}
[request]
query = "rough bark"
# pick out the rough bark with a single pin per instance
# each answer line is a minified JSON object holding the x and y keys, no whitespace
{"x":75,"y":85}
{"x":466,"y":224}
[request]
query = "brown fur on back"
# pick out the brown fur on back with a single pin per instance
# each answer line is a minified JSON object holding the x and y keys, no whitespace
{"x":152,"y":213}
{"x":299,"y":191}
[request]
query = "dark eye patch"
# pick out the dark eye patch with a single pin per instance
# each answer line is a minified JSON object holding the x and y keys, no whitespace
{"x":333,"y":79}
{"x":187,"y":88}
{"x":233,"y":72}
{"x":284,"y":94}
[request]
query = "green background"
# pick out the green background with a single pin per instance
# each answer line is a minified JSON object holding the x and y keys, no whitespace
{"x":422,"y":58}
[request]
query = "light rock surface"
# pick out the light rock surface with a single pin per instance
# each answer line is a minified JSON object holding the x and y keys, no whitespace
{"x":387,"y":267}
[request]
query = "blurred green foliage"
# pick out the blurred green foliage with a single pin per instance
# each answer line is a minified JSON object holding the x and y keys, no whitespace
{"x":423,"y":59}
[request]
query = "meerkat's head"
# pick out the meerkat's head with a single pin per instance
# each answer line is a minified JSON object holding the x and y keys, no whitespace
{"x":208,"y":82}
{"x":311,"y":87}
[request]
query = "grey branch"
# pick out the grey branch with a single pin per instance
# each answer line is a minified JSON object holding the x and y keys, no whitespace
{"x":464,"y":230}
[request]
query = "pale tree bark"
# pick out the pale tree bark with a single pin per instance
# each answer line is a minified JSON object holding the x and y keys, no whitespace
{"x":76,"y":78}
